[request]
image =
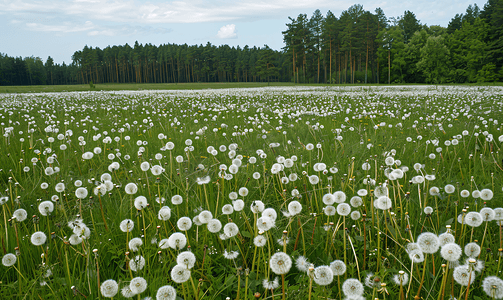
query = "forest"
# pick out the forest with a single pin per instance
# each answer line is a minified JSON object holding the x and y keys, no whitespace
{"x":359,"y":46}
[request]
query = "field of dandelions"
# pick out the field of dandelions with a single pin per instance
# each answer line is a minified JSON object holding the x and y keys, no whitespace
{"x":268,"y":193}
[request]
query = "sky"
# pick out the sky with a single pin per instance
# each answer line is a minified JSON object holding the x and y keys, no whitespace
{"x":58,"y":28}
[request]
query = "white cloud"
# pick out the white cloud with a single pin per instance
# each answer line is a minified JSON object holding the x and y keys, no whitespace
{"x":61,"y":28}
{"x":227,"y":32}
{"x":197,"y":11}
{"x":95,"y":30}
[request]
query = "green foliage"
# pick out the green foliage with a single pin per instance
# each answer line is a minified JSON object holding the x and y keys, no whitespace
{"x":291,"y":117}
{"x":434,"y":57}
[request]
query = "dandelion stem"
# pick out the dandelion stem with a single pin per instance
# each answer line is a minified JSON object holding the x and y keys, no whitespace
{"x":483,"y":237}
{"x":283,"y":285}
{"x":422,"y":278}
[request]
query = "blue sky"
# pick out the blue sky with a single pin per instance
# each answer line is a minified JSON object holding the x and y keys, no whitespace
{"x":58,"y":28}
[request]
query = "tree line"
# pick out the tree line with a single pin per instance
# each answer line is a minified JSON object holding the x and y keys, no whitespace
{"x":365,"y":47}
{"x":359,"y":46}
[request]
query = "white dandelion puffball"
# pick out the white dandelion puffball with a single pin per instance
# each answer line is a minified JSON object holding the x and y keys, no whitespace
{"x":313,"y":179}
{"x":463,"y":276}
{"x":362,"y":192}
{"x":109,"y":288}
{"x":180,"y":274}
{"x":416,"y":256}
{"x":473,"y":219}
{"x":227,"y":209}
{"x":493,"y":286}
{"x":487,"y":214}
{"x":38,"y":238}
{"x":428,"y":242}
{"x":177,"y":241}
{"x":145,"y":166}
{"x":446,"y":238}
{"x":176,"y":199}
{"x":156,"y":170}
{"x":126,"y":225}
{"x":231,"y":229}
{"x":265,"y":223}
{"x":164,"y":213}
{"x":166,"y":292}
{"x":294,"y":208}
{"x":20,"y":214}
{"x":231,"y":254}
{"x":257,"y":206}
{"x":356,"y":201}
{"x":135,"y":244}
{"x":186,"y":259}
{"x":339,"y":197}
{"x":302,"y":264}
{"x":498,"y":214}
{"x":9,"y":260}
{"x":280,"y":263}
{"x":329,"y":210}
{"x":428,"y":210}
{"x":451,"y":252}
{"x":352,"y":288}
{"x":259,"y":241}
{"x":238,"y":205}
{"x":243,"y":192}
{"x":380,"y":191}
{"x":140,"y":202}
{"x":126,"y":292}
{"x":486,"y":194}
{"x":137,"y":263}
{"x":60,"y":187}
{"x":464,"y":193}
{"x":205,"y":216}
{"x":328,"y":199}
{"x":270,"y":285}
{"x":131,"y":188}
{"x":401,"y":279}
{"x":45,"y":208}
{"x":472,"y":250}
{"x":383,"y":203}
{"x":233,"y":195}
{"x":164,"y":244}
{"x":138,"y":285}
{"x":338,"y":267}
{"x":214,"y":226}
{"x":449,"y":189}
{"x":355,"y":215}
{"x":270,"y":213}
{"x":323,"y":275}
{"x":81,"y":192}
{"x":343,"y":209}
{"x":184,"y":223}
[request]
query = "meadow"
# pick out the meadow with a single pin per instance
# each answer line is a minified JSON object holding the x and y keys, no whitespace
{"x":375,"y":192}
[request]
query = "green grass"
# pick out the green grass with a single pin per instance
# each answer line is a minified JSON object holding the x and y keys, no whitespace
{"x":173,"y":86}
{"x":134,"y":87}
{"x":282,"y":123}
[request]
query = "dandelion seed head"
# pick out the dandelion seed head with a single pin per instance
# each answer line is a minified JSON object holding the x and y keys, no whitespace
{"x":493,"y":287}
{"x":166,"y":292}
{"x":109,"y":288}
{"x":338,"y":267}
{"x":463,"y":275}
{"x":428,"y":242}
{"x":280,"y":263}
{"x":352,"y":288}
{"x":451,"y":252}
{"x":9,"y":260}
{"x":323,"y":275}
